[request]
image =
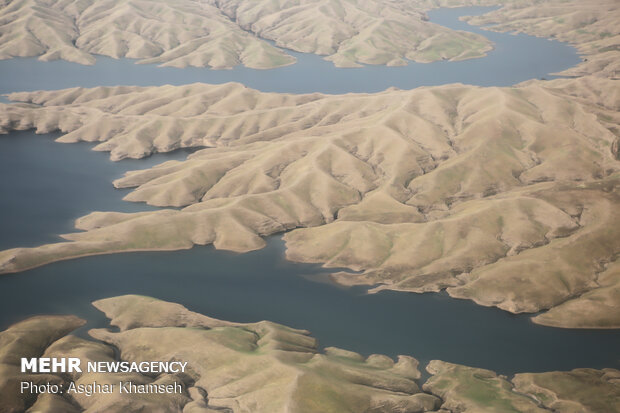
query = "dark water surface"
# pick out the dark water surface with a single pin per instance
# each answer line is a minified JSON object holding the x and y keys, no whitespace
{"x":45,"y":185}
{"x":261,"y":285}
{"x":515,"y":58}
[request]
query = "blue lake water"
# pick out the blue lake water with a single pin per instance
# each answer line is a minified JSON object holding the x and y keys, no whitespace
{"x":261,"y":285}
{"x":46,"y":185}
{"x":515,"y":58}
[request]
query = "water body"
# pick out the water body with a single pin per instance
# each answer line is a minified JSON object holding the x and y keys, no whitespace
{"x":47,"y":185}
{"x":51,"y":184}
{"x":515,"y":58}
{"x":261,"y":285}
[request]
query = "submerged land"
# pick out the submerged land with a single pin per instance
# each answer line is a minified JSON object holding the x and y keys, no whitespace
{"x":271,"y":368}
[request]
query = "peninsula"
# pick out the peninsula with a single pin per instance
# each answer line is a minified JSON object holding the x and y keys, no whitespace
{"x":267,"y":367}
{"x":506,"y":196}
{"x":223,"y":34}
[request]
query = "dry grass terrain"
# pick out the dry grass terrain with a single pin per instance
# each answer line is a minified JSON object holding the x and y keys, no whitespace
{"x":251,"y":368}
{"x":589,"y":25}
{"x":267,"y":367}
{"x":173,"y":33}
{"x":506,"y":196}
{"x":351,"y":32}
{"x":472,"y":390}
{"x":226,"y":33}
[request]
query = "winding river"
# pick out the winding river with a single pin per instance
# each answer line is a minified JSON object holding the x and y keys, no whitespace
{"x":47,"y":185}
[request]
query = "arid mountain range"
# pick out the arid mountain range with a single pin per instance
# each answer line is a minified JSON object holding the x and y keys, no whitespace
{"x":223,"y":34}
{"x":507,"y":196}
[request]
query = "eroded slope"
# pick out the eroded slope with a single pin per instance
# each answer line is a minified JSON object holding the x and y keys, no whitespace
{"x":507,"y":196}
{"x":226,"y":33}
{"x":591,"y":26}
{"x":259,"y":367}
{"x":180,"y":33}
{"x":473,"y":390}
{"x":351,"y":32}
{"x":267,"y":367}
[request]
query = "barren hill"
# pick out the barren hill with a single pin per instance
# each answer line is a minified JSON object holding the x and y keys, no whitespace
{"x":591,"y":26}
{"x":507,"y":196}
{"x":226,"y":33}
{"x":267,"y":367}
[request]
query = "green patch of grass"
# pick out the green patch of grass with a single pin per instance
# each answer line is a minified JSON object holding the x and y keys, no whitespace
{"x":613,"y":48}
